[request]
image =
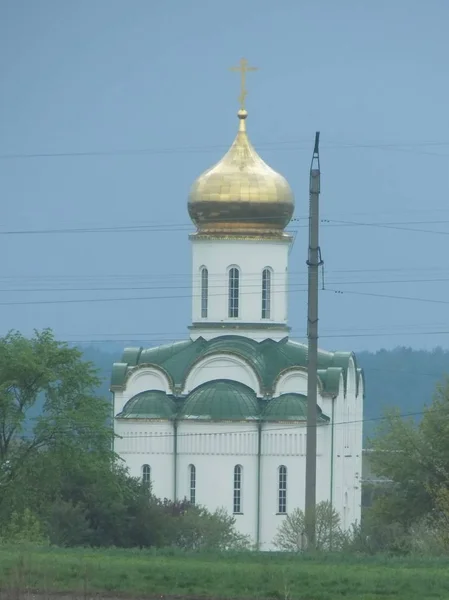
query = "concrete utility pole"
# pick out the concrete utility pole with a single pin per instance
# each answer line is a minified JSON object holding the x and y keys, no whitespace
{"x":313,"y":262}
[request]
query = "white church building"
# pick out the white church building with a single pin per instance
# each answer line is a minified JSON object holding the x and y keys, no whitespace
{"x":220,"y":418}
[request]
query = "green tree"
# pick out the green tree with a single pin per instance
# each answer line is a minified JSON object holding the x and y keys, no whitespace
{"x":41,"y":369}
{"x":290,"y":536}
{"x":415,"y":457}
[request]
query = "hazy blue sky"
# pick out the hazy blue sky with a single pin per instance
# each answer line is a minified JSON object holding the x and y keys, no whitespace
{"x":120,"y":76}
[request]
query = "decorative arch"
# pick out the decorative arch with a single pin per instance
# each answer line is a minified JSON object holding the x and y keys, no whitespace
{"x":234,"y":285}
{"x":148,"y":377}
{"x":219,"y":365}
{"x":351,"y":385}
{"x":293,"y":380}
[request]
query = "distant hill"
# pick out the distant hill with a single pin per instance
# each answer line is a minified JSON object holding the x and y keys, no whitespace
{"x":403,"y":377}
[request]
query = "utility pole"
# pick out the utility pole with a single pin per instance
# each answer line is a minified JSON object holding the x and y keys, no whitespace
{"x":313,"y":263}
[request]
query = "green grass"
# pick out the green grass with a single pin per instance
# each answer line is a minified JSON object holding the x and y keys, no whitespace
{"x":226,"y":576}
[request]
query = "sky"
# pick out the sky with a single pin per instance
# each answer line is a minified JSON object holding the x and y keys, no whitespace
{"x":109,"y":109}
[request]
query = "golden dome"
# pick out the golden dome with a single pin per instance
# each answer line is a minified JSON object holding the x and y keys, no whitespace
{"x":241,"y":193}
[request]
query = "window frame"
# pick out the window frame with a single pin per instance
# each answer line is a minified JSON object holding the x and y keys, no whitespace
{"x":192,"y":484}
{"x":204,"y":296}
{"x":146,"y":475}
{"x":233,"y":292}
{"x":282,"y":490}
{"x":237,"y":490}
{"x":266,"y":293}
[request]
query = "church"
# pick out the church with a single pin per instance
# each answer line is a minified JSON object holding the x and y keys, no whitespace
{"x":220,"y":417}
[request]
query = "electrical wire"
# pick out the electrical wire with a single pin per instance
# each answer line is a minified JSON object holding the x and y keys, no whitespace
{"x":288,"y":145}
{"x":181,"y":227}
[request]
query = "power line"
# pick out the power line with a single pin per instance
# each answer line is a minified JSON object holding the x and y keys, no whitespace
{"x":220,"y":286}
{"x":177,"y":227}
{"x":96,"y":300}
{"x":288,"y":145}
{"x":189,"y":275}
{"x":389,"y":296}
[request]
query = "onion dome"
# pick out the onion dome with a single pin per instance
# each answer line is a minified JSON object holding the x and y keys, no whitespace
{"x":241,"y":193}
{"x":221,"y":400}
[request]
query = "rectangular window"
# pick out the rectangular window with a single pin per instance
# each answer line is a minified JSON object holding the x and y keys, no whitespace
{"x":237,"y":509}
{"x":204,"y":292}
{"x":192,"y":484}
{"x":266,"y":294}
{"x":233,"y":312}
{"x":282,"y":498}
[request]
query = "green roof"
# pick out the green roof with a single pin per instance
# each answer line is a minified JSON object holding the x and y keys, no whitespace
{"x":268,"y":359}
{"x":152,"y":404}
{"x":221,"y":400}
{"x":290,"y":407}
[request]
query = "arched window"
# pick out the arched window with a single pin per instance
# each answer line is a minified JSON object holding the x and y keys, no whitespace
{"x":234,"y":276}
{"x":146,"y":475}
{"x":282,"y":491}
{"x":266,"y":294}
{"x":204,"y":292}
{"x":192,"y":483}
{"x":237,"y":508}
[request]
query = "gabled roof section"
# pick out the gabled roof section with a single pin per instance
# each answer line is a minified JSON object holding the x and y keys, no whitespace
{"x":268,"y":358}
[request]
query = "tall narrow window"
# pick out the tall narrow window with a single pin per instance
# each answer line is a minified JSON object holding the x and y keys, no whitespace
{"x":233,"y":292}
{"x":204,"y":292}
{"x":192,"y":483}
{"x":146,"y":475}
{"x":282,"y":497}
{"x":237,"y":509}
{"x":266,"y":294}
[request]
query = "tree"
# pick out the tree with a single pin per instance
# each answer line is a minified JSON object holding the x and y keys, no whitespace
{"x":415,"y":458}
{"x":43,"y":370}
{"x":195,"y":528}
{"x":291,"y":533}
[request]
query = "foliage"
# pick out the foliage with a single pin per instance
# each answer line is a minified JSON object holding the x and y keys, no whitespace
{"x":195,"y":528}
{"x":23,"y":527}
{"x":415,"y":457}
{"x":41,"y":369}
{"x":291,"y":533}
{"x":232,"y":575}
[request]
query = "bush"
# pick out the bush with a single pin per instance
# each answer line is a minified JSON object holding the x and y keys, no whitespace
{"x":291,"y":533}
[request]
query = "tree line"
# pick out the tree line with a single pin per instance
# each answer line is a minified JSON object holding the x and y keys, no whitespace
{"x":62,"y":484}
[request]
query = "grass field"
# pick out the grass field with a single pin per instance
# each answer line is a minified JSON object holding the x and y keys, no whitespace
{"x":134,"y":573}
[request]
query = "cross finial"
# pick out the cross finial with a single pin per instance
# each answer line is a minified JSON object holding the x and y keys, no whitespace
{"x":243,"y":68}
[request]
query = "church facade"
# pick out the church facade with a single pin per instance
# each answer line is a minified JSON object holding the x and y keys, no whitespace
{"x":220,"y":418}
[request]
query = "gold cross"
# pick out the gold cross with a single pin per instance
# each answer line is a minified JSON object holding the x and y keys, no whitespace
{"x":243,"y":68}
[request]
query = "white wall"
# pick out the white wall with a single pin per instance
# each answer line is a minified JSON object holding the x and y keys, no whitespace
{"x":251,"y":257}
{"x":286,"y":445}
{"x":348,"y":439}
{"x":148,"y":442}
{"x":215,"y":448}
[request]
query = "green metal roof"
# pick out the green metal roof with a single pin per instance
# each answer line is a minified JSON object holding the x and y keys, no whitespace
{"x":268,"y":359}
{"x":290,"y":407}
{"x":152,"y":404}
{"x":221,"y":400}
